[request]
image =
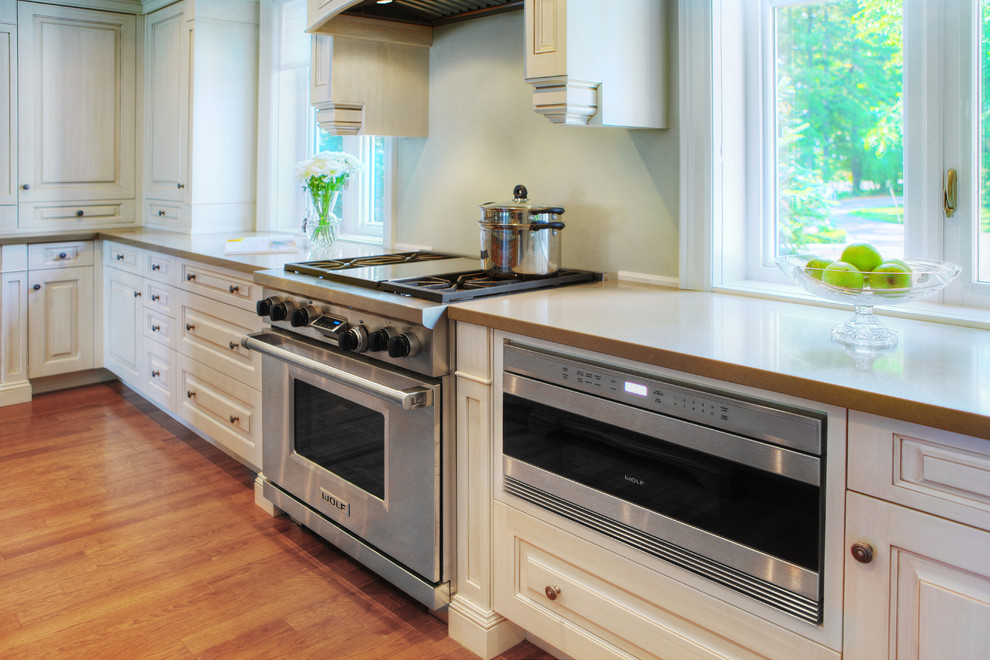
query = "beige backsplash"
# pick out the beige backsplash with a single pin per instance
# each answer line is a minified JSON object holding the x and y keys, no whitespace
{"x":619,"y":187}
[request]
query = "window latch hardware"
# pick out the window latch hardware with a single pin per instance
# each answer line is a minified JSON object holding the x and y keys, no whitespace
{"x":949,"y":194}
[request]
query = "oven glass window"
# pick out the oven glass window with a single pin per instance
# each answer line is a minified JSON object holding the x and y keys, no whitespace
{"x":776,"y":515}
{"x":340,"y":436}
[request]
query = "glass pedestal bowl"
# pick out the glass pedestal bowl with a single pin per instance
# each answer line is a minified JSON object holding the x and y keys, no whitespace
{"x":864,"y":330}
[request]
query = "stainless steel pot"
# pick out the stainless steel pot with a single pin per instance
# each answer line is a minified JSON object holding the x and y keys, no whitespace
{"x":520,"y":237}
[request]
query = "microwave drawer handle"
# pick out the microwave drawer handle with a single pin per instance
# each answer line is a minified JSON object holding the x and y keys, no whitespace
{"x":408,"y":399}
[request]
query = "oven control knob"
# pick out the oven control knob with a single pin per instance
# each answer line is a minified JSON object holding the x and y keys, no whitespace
{"x":403,"y":345}
{"x":378,"y":340}
{"x":281,"y":310}
{"x":303,"y":316}
{"x":355,"y":339}
{"x":264,"y":307}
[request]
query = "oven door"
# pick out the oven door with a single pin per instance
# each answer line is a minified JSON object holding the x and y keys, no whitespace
{"x":358,"y":443}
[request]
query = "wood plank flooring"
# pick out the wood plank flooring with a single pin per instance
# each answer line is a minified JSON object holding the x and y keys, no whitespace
{"x":123,"y":535}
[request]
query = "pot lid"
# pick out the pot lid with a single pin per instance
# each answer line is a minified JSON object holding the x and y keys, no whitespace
{"x":521,"y":202}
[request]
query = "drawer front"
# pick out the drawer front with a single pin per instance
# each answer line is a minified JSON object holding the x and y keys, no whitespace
{"x":226,"y":411}
{"x":159,"y":298}
{"x":591,"y":603}
{"x":159,"y":267}
{"x":159,"y":328}
{"x":13,"y":258}
{"x":167,"y":215}
{"x":211,"y":333}
{"x":158,"y":375}
{"x":73,"y":215}
{"x":124,"y":257}
{"x":219,"y":284}
{"x":60,"y":255}
{"x":928,"y":469}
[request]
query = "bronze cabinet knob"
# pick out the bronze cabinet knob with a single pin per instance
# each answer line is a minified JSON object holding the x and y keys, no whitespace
{"x":862,"y":552}
{"x":552,"y":591}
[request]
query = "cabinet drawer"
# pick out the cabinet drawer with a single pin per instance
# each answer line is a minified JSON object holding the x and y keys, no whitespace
{"x":157,"y":375}
{"x":936,"y":471}
{"x":60,"y":255}
{"x":159,"y":267}
{"x":13,"y":258}
{"x":124,"y":257}
{"x":166,"y":215}
{"x":226,"y":411}
{"x":159,"y":328}
{"x":592,"y":603}
{"x":211,"y":333}
{"x":219,"y":283}
{"x":47,"y":216}
{"x":159,"y":298}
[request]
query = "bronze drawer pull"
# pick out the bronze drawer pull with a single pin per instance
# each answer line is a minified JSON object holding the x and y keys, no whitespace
{"x":156,"y":328}
{"x":233,"y":419}
{"x":190,"y":394}
{"x":155,"y":297}
{"x":80,"y":213}
{"x":180,"y":186}
{"x":233,"y":345}
{"x":36,"y":287}
{"x":190,"y":327}
{"x":233,"y":288}
{"x":155,"y":373}
{"x":119,"y":256}
{"x":190,"y":276}
{"x":63,"y":255}
{"x":137,"y":294}
{"x":161,"y":211}
{"x":156,"y":267}
{"x":552,"y":591}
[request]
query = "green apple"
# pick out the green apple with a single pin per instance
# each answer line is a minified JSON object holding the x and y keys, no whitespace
{"x":863,"y":256}
{"x":890,"y":275}
{"x":899,"y":263}
{"x":844,"y":275}
{"x":816,"y":266}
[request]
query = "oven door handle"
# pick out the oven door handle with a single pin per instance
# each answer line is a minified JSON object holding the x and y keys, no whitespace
{"x":408,"y":399}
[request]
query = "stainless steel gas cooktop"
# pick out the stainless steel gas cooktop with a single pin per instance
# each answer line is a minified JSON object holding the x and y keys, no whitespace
{"x":433,"y":276}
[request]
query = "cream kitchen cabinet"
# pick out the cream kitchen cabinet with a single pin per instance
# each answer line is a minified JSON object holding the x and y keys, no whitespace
{"x":201,"y":73}
{"x":918,"y":539}
{"x":593,"y":67}
{"x":14,"y":384}
{"x":60,"y":308}
{"x":123,"y":313}
{"x":8,"y":119}
{"x":76,"y":117}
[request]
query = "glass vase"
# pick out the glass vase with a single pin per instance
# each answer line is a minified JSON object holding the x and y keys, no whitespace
{"x":321,"y":224}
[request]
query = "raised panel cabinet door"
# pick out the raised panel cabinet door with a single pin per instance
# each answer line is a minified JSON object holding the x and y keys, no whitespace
{"x":76,"y":104}
{"x":60,"y":321}
{"x":13,"y":327}
{"x":122,"y":298}
{"x":8,"y":114}
{"x":925,"y":591}
{"x":167,"y":103}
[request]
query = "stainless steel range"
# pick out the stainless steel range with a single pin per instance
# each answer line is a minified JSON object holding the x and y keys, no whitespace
{"x":358,"y":404}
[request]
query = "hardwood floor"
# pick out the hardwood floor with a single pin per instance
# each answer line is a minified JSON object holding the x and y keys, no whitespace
{"x":123,"y":535}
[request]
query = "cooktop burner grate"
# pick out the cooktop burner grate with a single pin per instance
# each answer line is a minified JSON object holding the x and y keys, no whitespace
{"x":463,"y":286}
{"x":319,"y":268}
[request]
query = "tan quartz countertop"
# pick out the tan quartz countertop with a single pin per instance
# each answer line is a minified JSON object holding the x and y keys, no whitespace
{"x":937,"y":375}
{"x":207,"y":248}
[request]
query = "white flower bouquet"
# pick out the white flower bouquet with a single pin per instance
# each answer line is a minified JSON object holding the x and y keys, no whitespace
{"x":324,"y":176}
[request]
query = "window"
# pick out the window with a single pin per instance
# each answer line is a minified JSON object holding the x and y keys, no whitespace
{"x":365,"y":205}
{"x":836,"y":121}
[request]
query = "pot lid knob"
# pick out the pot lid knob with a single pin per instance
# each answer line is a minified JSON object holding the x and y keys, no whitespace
{"x":520,"y":193}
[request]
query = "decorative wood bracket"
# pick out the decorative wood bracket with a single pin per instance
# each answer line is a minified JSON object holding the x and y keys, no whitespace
{"x":565,"y":100}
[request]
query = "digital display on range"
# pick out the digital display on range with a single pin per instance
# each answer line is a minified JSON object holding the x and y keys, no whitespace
{"x":330,"y":324}
{"x":635,"y":388}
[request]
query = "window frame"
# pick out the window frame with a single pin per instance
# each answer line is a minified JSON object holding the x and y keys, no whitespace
{"x":710,"y":145}
{"x":356,"y":197}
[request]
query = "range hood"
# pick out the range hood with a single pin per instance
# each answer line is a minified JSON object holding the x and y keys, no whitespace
{"x":430,"y":12}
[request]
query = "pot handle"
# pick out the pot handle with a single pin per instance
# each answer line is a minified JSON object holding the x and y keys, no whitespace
{"x":536,"y":226}
{"x":556,"y":210}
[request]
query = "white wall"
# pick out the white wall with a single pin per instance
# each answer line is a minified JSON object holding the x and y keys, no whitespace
{"x":619,"y":187}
